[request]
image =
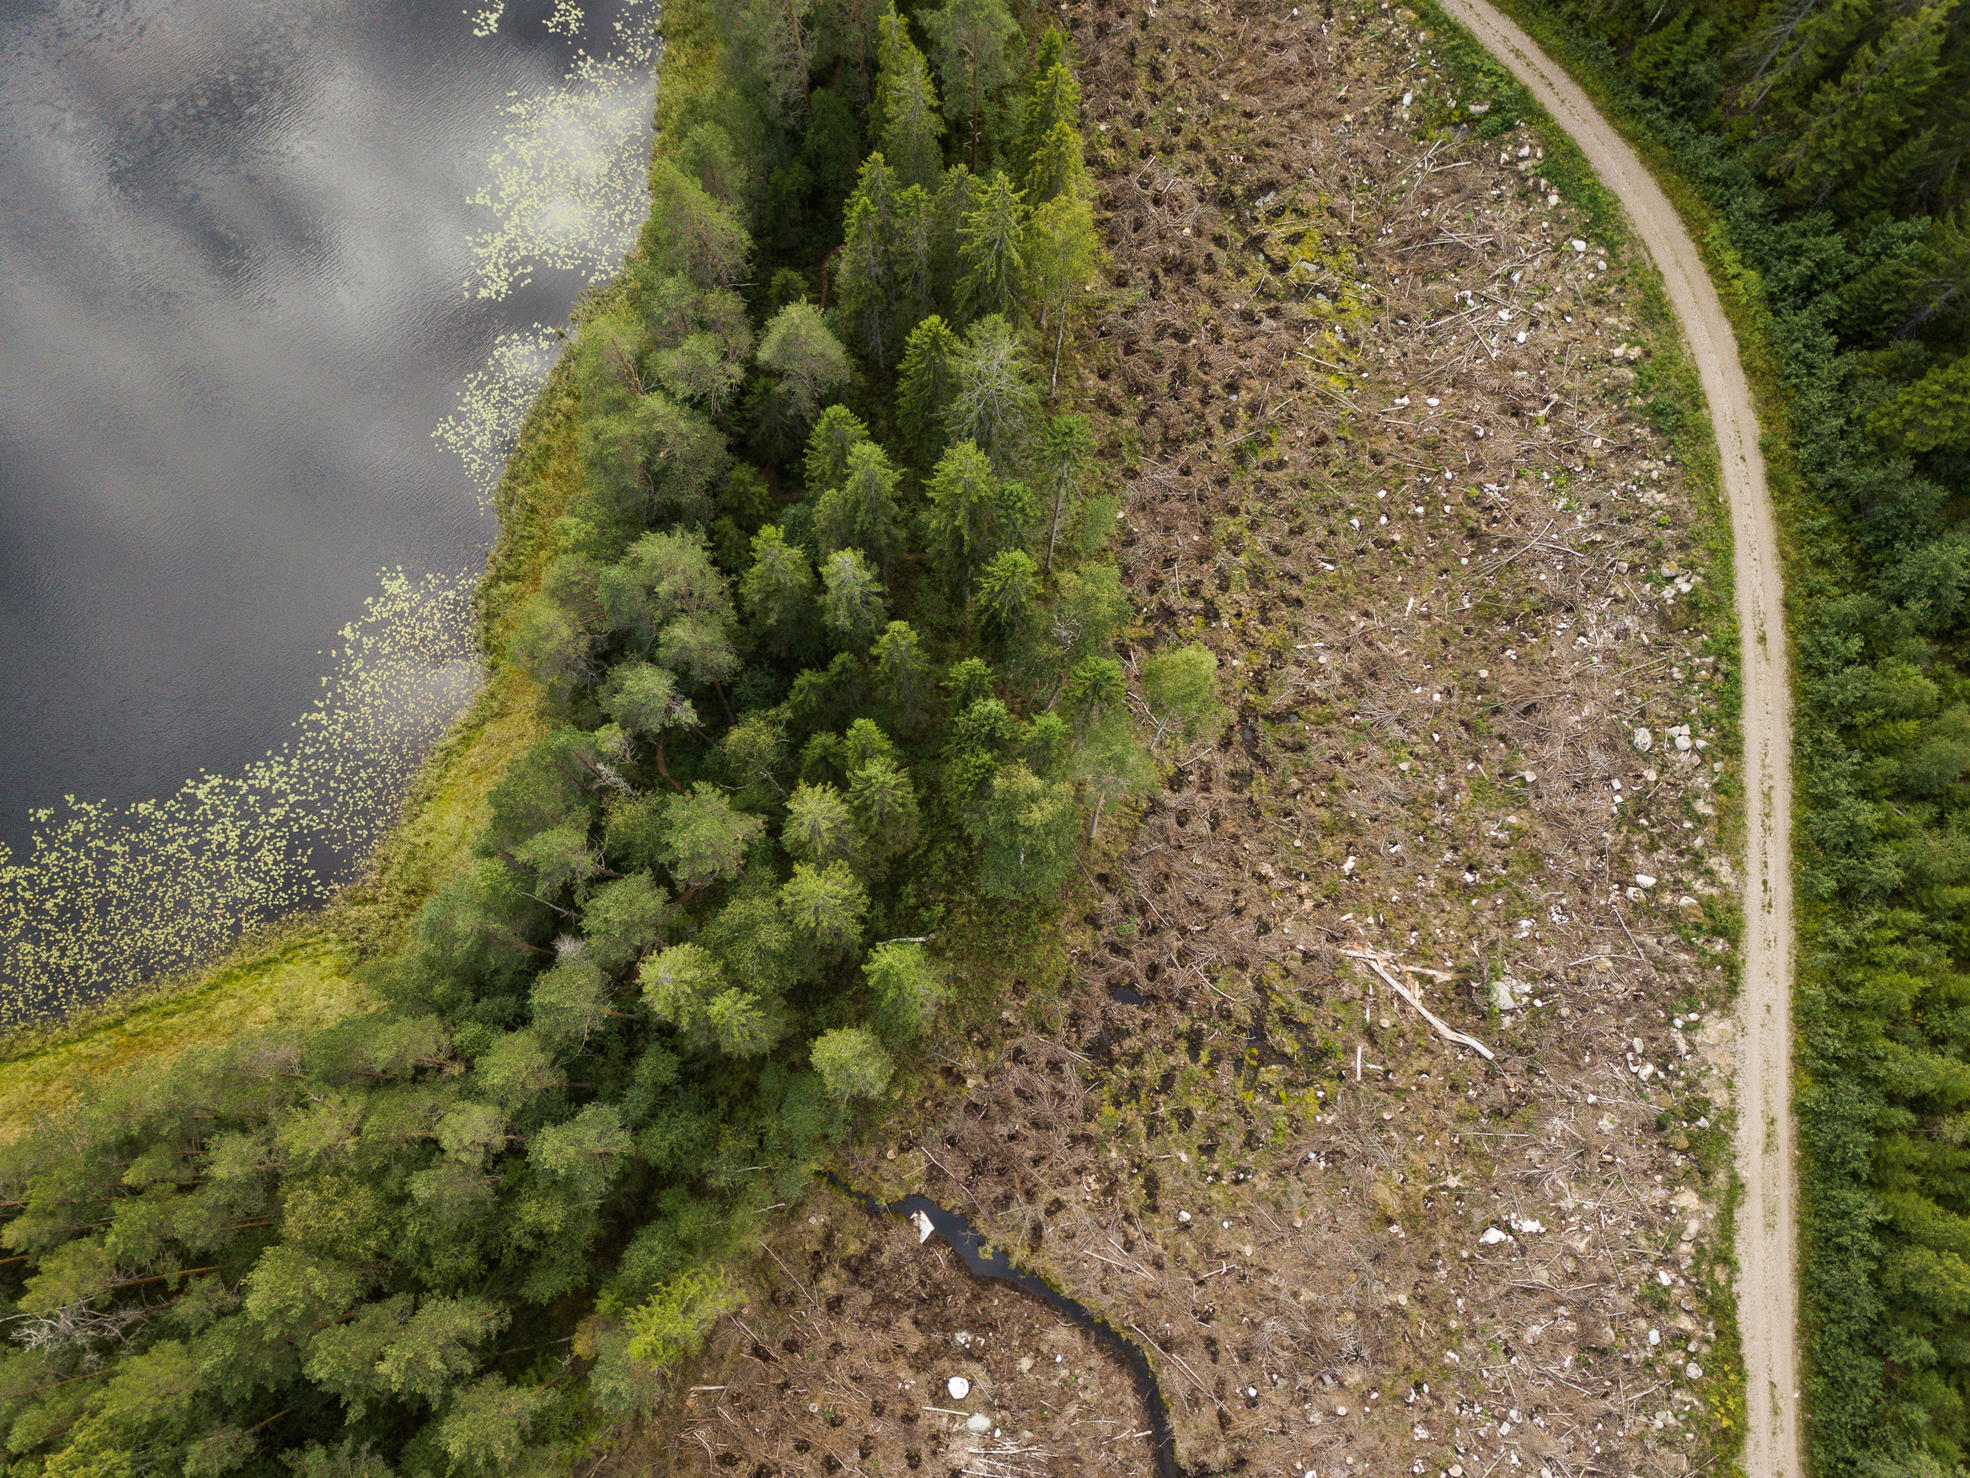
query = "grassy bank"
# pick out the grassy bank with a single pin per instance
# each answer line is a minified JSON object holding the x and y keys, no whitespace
{"x":301,"y":969}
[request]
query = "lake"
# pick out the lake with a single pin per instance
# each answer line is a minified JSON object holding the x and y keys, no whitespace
{"x":271,"y":280}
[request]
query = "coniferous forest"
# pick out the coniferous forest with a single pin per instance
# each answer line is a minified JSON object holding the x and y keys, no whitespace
{"x":1833,"y":143}
{"x":823,"y":654}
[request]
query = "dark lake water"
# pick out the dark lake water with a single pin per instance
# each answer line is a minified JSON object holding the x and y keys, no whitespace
{"x":253,"y":255}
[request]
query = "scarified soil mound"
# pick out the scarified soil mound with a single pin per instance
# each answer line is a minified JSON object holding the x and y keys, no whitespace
{"x":1393,"y":429}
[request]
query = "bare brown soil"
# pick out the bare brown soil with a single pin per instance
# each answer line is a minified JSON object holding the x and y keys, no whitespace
{"x":1767,"y":1137}
{"x":1385,"y":442}
{"x":843,"y":1364}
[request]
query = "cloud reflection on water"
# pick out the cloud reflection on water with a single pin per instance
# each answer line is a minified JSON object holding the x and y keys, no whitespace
{"x":237,"y":297}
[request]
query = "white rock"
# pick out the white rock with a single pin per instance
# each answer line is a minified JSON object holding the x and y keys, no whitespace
{"x":1492,"y":1237}
{"x":924,"y":1227}
{"x":1643,"y":880}
{"x":958,"y":1386}
{"x":978,"y":1422}
{"x":1501,"y":994}
{"x":1693,"y":1370}
{"x":1683,"y":742}
{"x":1579,"y":246}
{"x":1184,"y":1217}
{"x":1644,"y":740}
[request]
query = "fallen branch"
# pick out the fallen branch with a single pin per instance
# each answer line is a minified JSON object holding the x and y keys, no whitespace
{"x":1443,"y":1028}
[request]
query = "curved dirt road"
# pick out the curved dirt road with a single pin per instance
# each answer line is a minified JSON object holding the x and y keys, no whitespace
{"x":1767,"y":1261}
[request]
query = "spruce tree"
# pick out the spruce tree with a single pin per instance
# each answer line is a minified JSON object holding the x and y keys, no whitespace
{"x":1047,"y":80}
{"x":905,"y":988}
{"x":704,"y":839}
{"x":852,"y":1063}
{"x":885,"y":805}
{"x":779,"y":588}
{"x":957,"y":198}
{"x":902,"y":671}
{"x":967,"y":519}
{"x":866,"y":270}
{"x":1933,"y":413}
{"x":1854,"y":124}
{"x":913,"y":258}
{"x":906,"y":110}
{"x":925,"y":382}
{"x":860,"y":512}
{"x":837,"y":433}
{"x":1026,"y":829}
{"x":1059,"y":167}
{"x":1049,"y":155}
{"x":853,"y":603}
{"x":1008,"y":596}
{"x":827,"y":906}
{"x":992,"y":246}
{"x":820,"y":828}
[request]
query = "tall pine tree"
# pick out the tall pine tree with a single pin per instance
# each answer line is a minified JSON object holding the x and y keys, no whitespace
{"x":971,"y":39}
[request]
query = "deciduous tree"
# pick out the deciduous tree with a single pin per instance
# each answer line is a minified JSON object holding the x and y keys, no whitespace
{"x":852,"y":1063}
{"x":995,"y":404}
{"x":807,"y":358}
{"x":1061,"y":254}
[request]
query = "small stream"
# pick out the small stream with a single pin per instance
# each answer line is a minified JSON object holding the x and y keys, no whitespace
{"x":985,"y":1261}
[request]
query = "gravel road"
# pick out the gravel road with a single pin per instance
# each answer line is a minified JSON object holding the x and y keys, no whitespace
{"x":1767,"y":1249}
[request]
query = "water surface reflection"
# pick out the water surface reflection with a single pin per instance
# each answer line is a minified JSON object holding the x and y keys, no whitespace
{"x":250,"y":254}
